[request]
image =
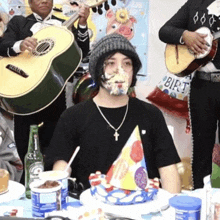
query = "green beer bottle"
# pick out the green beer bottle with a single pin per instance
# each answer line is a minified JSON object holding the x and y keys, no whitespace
{"x":33,"y":161}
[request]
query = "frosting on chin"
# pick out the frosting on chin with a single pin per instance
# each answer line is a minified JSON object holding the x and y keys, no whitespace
{"x":107,"y":193}
{"x":117,"y":83}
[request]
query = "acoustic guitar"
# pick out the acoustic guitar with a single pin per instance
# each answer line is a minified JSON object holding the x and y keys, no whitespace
{"x":33,"y":80}
{"x":181,"y":61}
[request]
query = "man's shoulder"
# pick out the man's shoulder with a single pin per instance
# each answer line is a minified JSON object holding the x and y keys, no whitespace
{"x":79,"y":108}
{"x":144,"y":104}
{"x":20,"y":19}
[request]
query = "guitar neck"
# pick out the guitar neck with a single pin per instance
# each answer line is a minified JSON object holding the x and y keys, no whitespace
{"x":91,"y":3}
{"x":68,"y":23}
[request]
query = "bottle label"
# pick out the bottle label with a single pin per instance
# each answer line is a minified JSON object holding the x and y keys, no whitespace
{"x":30,"y":156}
{"x":35,"y":169}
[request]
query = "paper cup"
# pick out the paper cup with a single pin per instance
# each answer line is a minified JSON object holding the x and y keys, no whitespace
{"x":45,"y":200}
{"x":62,"y":177}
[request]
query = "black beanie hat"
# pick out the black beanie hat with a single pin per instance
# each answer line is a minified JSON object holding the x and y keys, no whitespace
{"x":110,"y":44}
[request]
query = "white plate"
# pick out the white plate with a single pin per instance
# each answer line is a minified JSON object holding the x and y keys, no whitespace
{"x":15,"y":191}
{"x":133,"y":211}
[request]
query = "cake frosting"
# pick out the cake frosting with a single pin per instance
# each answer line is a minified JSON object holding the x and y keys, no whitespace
{"x":4,"y":179}
{"x":109,"y":194}
{"x":126,"y":182}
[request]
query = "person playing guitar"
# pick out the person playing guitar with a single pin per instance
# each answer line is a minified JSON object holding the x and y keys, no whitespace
{"x":204,"y":99}
{"x":18,"y":39}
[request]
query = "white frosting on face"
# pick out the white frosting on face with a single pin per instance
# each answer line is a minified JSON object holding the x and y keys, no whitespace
{"x":117,"y":82}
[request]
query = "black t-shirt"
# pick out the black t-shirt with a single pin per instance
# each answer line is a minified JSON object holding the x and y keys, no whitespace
{"x":82,"y":125}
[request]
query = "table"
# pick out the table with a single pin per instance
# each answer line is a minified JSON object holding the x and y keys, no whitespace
{"x":74,"y":205}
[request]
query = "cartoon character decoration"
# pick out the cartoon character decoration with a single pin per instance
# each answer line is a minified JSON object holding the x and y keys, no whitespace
{"x":16,"y":7}
{"x":8,"y":9}
{"x":120,"y":22}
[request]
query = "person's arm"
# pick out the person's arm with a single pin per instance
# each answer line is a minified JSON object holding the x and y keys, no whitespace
{"x":175,"y":31}
{"x":170,"y":178}
{"x":63,"y":142}
{"x":61,"y":165}
{"x":166,"y":155}
{"x":10,"y":37}
{"x":81,"y":33}
{"x":9,"y":158}
{"x":11,"y":43}
{"x":171,"y":32}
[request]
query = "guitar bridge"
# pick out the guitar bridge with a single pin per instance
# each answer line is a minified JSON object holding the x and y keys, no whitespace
{"x":16,"y":70}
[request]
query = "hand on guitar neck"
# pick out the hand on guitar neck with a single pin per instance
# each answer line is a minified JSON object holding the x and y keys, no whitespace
{"x":195,"y":41}
{"x":83,"y":14}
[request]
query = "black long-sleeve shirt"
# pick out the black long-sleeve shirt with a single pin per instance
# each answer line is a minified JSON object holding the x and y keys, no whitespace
{"x":82,"y":125}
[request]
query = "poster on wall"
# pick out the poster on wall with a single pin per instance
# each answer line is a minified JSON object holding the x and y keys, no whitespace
{"x":8,"y":9}
{"x":126,"y":17}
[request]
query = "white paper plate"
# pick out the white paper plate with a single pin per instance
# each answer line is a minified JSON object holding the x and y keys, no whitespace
{"x":15,"y":191}
{"x":133,"y":211}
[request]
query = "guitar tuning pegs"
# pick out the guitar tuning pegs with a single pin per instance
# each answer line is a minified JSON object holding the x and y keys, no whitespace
{"x":100,"y":9}
{"x":94,"y":9}
{"x":113,"y":2}
{"x":106,"y":6}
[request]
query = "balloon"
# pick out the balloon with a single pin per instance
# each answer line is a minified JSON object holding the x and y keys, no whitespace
{"x":171,"y":96}
{"x":84,"y":89}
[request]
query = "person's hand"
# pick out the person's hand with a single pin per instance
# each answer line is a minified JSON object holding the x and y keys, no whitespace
{"x":195,"y":41}
{"x":83,"y":14}
{"x":28,"y":43}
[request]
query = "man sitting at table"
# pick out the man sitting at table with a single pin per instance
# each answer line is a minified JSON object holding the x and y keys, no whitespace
{"x":9,"y":159}
{"x":19,"y":37}
{"x":102,"y":125}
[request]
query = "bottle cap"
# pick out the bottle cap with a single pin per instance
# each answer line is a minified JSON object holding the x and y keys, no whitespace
{"x":185,"y":202}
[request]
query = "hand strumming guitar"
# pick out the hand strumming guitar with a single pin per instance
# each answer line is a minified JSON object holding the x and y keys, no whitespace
{"x":195,"y":41}
{"x":28,"y":43}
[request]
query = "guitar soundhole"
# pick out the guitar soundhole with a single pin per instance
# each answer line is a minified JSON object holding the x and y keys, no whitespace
{"x":43,"y":47}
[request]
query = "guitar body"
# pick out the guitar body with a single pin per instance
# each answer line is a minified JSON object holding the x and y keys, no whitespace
{"x":31,"y":81}
{"x":182,"y":62}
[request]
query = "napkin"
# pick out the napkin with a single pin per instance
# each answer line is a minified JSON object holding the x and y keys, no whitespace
{"x":129,"y":170}
{"x":215,"y":176}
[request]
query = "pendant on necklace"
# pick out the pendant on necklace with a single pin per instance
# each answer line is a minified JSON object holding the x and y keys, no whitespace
{"x":116,"y":134}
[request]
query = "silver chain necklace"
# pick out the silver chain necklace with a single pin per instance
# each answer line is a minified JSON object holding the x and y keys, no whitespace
{"x":116,"y":134}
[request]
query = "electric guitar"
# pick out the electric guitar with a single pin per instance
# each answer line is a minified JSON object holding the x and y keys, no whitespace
{"x":33,"y":80}
{"x":181,"y":61}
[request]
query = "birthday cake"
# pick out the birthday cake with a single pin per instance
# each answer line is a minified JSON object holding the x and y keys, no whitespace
{"x":127,"y":180}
